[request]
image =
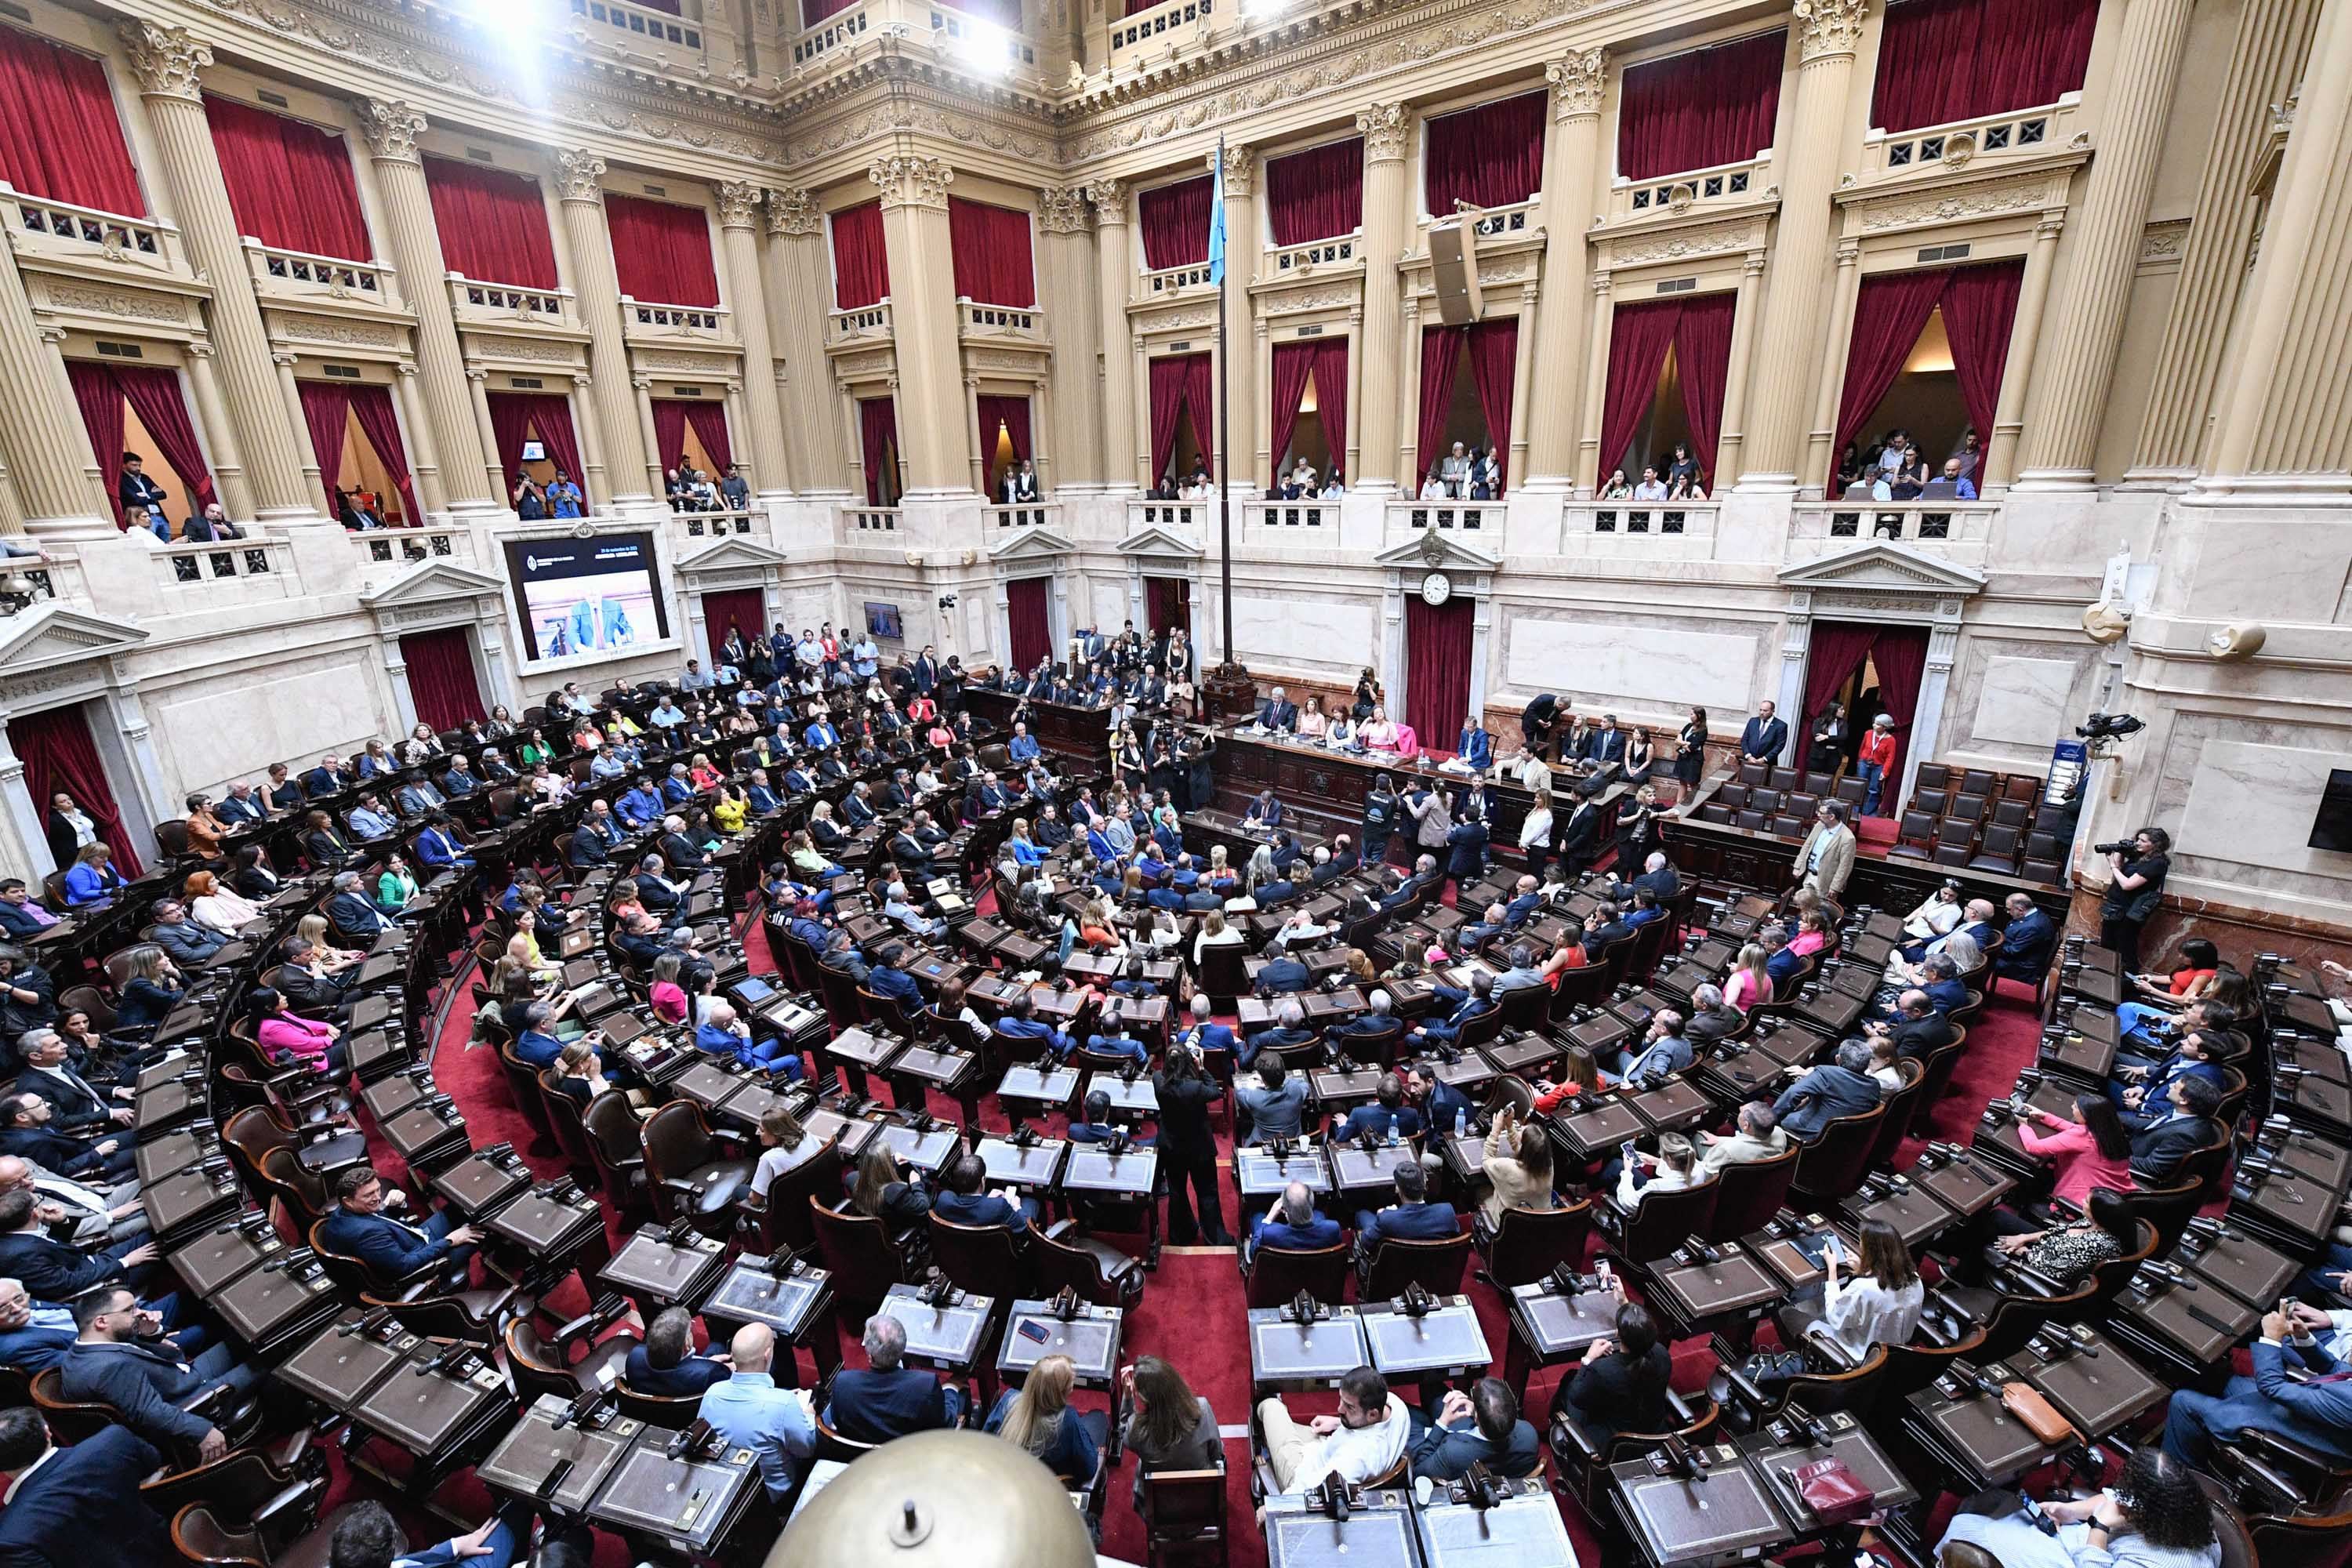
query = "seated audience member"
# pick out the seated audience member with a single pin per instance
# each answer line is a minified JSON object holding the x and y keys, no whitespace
{"x":1169,"y":1426}
{"x":1757,"y":1135}
{"x":1019,"y":1022}
{"x":886,"y":1399}
{"x":2316,"y":1413}
{"x":1663,"y":1053}
{"x":1621,"y":1384}
{"x":2066,"y":1253}
{"x":1878,"y":1305}
{"x":1363,"y":1441}
{"x":2156,"y":1515}
{"x":121,"y":1358}
{"x":359,"y":1227}
{"x":2169,"y":1137}
{"x":2142,"y":1088}
{"x":666,"y":1366}
{"x":1462,"y":1006}
{"x":1480,"y":1427}
{"x":1387,"y":1113}
{"x":1670,"y":1170}
{"x":1517,"y":1166}
{"x":24,"y":1136}
{"x":2090,"y":1150}
{"x":747,"y":1409}
{"x":51,"y":1270}
{"x":1036,"y":1419}
{"x":1916,"y":1029}
{"x":58,"y":1494}
{"x":965,"y":1200}
{"x":1275,"y":1105}
{"x":1291,"y":1226}
{"x":1413,"y":1217}
{"x":723,"y":1033}
{"x":1842,"y":1087}
{"x":2027,"y":943}
{"x":1094,"y":1124}
{"x":1579,"y":1079}
{"x":1288,"y":1033}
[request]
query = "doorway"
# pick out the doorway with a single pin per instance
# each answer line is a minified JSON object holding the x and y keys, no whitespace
{"x":1168,"y":604}
{"x":1865,"y":670}
{"x":1438,"y":668}
{"x":1029,"y":629}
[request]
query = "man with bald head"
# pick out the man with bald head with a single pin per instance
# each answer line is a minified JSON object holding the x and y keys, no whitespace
{"x":749,"y":1410}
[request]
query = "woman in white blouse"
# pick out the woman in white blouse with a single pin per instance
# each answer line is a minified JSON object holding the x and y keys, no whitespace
{"x":1878,"y":1306}
{"x":214,"y":906}
{"x":1214,"y":932}
{"x":1534,"y":833}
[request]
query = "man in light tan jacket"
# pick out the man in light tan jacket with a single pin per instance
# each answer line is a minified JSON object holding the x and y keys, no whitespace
{"x":1827,"y":858}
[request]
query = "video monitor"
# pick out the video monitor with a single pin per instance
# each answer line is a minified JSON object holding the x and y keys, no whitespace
{"x":583,"y":597}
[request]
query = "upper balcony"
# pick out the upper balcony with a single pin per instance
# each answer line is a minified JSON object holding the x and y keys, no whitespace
{"x":1284,"y":263}
{"x":1000,"y":324}
{"x":509,"y":306}
{"x":1149,"y":31}
{"x":647,"y":325}
{"x":2015,"y":136}
{"x":37,"y":226}
{"x":1161,"y":284}
{"x":1725,"y":185}
{"x":300,"y":278}
{"x":862,"y":30}
{"x":866,"y":326}
{"x":1958,"y":531}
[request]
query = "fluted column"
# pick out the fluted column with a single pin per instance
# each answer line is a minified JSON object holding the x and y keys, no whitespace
{"x":923,"y":322}
{"x":1079,"y":446}
{"x":1570,"y":173}
{"x":289,"y":400}
{"x":220,"y":432}
{"x":167,"y":61}
{"x":1829,"y":368}
{"x":1386,"y":128}
{"x":764,"y":443}
{"x":2017,"y":371}
{"x":1787,"y":343}
{"x":612,"y":404}
{"x":802,"y":285}
{"x":643,"y":387}
{"x":477,"y":393}
{"x":2070,"y":388}
{"x":448,"y":426}
{"x":1115,"y":258}
{"x":422,"y":443}
{"x":1735,"y":384}
{"x":59,"y":494}
{"x":2292,"y":415}
{"x":1596,"y":384}
{"x":1399,"y":388}
{"x":1243,"y":242}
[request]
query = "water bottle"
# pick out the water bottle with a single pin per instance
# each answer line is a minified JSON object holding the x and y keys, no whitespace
{"x":1461,"y":1120}
{"x":1392,"y":1131}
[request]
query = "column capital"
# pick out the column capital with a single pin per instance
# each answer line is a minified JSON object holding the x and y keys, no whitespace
{"x":1829,"y":28}
{"x":1385,"y":128}
{"x":284,"y":360}
{"x":1576,"y":80}
{"x":202,"y":347}
{"x":794,"y":211}
{"x":405,"y":367}
{"x":1109,"y":199}
{"x":578,"y":178}
{"x":2051,"y":225}
{"x":391,"y":127}
{"x":1754,"y":264}
{"x":910,"y":180}
{"x":1241,"y":169}
{"x":1062,"y":209}
{"x":166,"y":60}
{"x":736,"y":200}
{"x":1849,"y":252}
{"x":1601,"y":281}
{"x":476,"y":372}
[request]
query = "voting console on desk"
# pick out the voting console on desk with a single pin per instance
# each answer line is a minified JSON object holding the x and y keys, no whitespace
{"x":1033,"y":1084}
{"x":1135,"y":1095}
{"x":2230,"y":1259}
{"x":185,"y":1201}
{"x":924,"y":1148}
{"x":1033,"y":1166}
{"x":1556,"y":1326}
{"x":1094,"y":1172}
{"x":276,"y":1302}
{"x":850,"y":1134}
{"x":1378,"y":1532}
{"x":1524,"y":1530}
{"x":1895,"y":1199}
{"x":1526,"y":1053}
{"x":1299,"y":1357}
{"x":440,"y":1398}
{"x":175,"y":1151}
{"x":862,"y":1048}
{"x":230,"y":1248}
{"x":388,"y":1096}
{"x":1358,"y":1169}
{"x":1675,"y":1105}
{"x":945,"y":1328}
{"x":1960,"y":1420}
{"x":1261,"y":1171}
{"x":428,"y":1134}
{"x":484,"y":1181}
{"x":554,"y":1222}
{"x":781,"y":1291}
{"x":1444,"y":1339}
{"x":1718,"y":1515}
{"x":2180,"y":1326}
{"x":174,"y":1102}
{"x":349,"y":1358}
{"x":665,"y":1265}
{"x":553,"y":1460}
{"x":1343,"y":1088}
{"x":2088,"y":1377}
{"x":686,"y":1504}
{"x":1961,"y":1182}
{"x":1732,"y":1285}
{"x":1089,"y":1337}
{"x":1787,"y":1446}
{"x":1589,"y":1134}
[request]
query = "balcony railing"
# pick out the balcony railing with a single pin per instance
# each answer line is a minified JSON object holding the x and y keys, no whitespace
{"x":314,"y":279}
{"x":1186,"y":516}
{"x":108,"y":235}
{"x":1174,"y":15}
{"x":1955,"y":145}
{"x":1680,"y":192}
{"x":1935,"y":524}
{"x":1021,"y":324}
{"x":384,"y":553}
{"x":610,"y":17}
{"x":1027,"y":514}
{"x":721,"y":525}
{"x":214,"y":569}
{"x":509,"y":302}
{"x":1493,"y":223}
{"x":866,"y":323}
{"x":1629,"y":517}
{"x":858,"y":521}
{"x":689,"y":320}
{"x":836,"y":32}
{"x":1288,"y":516}
{"x":1289,"y":260}
{"x":1457,"y":516}
{"x":1160,"y":282}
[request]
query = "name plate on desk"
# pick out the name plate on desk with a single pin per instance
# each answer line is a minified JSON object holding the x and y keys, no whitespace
{"x":527,"y":1456}
{"x":753,"y":1291}
{"x":1090,"y":1340}
{"x":1305,"y":1356}
{"x":1447,"y":1339}
{"x":949,"y":1335}
{"x":652,"y":1264}
{"x":1033,"y":1165}
{"x":1260,"y":1173}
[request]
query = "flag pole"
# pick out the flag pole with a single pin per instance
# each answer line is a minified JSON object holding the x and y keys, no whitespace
{"x":1225,"y":438}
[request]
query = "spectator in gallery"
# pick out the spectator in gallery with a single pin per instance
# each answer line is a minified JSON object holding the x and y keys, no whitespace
{"x":1954,"y":485}
{"x":1434,"y":487}
{"x":1652,"y":488}
{"x":142,"y":499}
{"x":529,"y":500}
{"x":211,"y":524}
{"x":563,"y":497}
{"x":1455,"y":469}
{"x":736,"y":492}
{"x":1617,"y":489}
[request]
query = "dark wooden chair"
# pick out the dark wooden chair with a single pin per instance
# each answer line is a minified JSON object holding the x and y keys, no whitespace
{"x":982,"y":1259}
{"x":1660,"y":1223}
{"x":1184,"y":1518}
{"x":1831,"y":1165}
{"x":1530,"y":1242}
{"x":1277,"y":1275}
{"x":611,"y":1127}
{"x":689,"y":1173}
{"x":1435,"y":1266}
{"x":1582,"y":1463}
{"x":1753,"y":1197}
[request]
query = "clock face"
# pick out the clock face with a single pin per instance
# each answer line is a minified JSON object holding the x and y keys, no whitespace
{"x":1436,"y":588}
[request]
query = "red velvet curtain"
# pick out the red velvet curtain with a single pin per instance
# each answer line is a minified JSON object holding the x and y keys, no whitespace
{"x":745,"y":609}
{"x":1490,"y":156}
{"x":1494,"y":358}
{"x":1175,"y":222}
{"x":59,"y":134}
{"x":1331,"y":398}
{"x":878,"y":430}
{"x":1011,"y":415}
{"x":1979,"y":307}
{"x":1889,"y":313}
{"x":371,"y":406}
{"x":1941,"y":60}
{"x":1837,"y":650}
{"x":1438,"y":668}
{"x":1292,"y":363}
{"x":1168,"y":604}
{"x":289,"y":182}
{"x":1900,"y":655}
{"x":1180,"y":382}
{"x":669,"y":430}
{"x":815,"y":11}
{"x":59,"y":757}
{"x":515,"y":414}
{"x":493,"y":224}
{"x":1441,"y":362}
{"x":861,"y":265}
{"x":1031,"y":624}
{"x":441,"y":677}
{"x":990,"y":246}
{"x":1703,"y":357}
{"x":153,"y":394}
{"x":326,"y":408}
{"x":661,"y":251}
{"x":1696,"y":109}
{"x":1639,"y":336}
{"x":1317,"y":194}
{"x":709,"y":423}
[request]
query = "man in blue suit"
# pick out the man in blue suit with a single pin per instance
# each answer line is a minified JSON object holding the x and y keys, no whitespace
{"x":1842,"y":1087}
{"x":34,"y":1336}
{"x":1388,"y":1106}
{"x":1764,"y":737}
{"x":666,"y":1366}
{"x":965,"y":1201}
{"x":1278,"y":713}
{"x":51,"y":1270}
{"x":1527,"y":898}
{"x":1475,"y":750}
{"x":79,"y":1507}
{"x":1413,"y":1217}
{"x":890,"y":1399}
{"x":533,"y":1044}
{"x":2026,"y":942}
{"x":392,"y":1249}
{"x":1019,"y":1022}
{"x":1205,"y":1034}
{"x":1606,"y":744}
{"x":439,"y":847}
{"x":1480,"y":1427}
{"x":2317,"y":1414}
{"x":1291,"y":1226}
{"x":1460,"y":1006}
{"x":120,"y":1359}
{"x":641,"y":808}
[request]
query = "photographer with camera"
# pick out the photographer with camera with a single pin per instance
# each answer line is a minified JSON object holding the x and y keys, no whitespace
{"x":2136,"y":873}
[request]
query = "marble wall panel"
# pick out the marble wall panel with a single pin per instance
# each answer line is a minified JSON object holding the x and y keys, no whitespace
{"x":1663,"y":667}
{"x":2253,"y":805}
{"x":2022,"y":701}
{"x":1306,"y":634}
{"x":226,"y":730}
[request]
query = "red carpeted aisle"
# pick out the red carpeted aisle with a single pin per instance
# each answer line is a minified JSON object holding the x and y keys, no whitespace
{"x":1192,"y":1312}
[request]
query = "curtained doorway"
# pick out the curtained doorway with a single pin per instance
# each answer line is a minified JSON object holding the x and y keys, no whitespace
{"x":61,"y":757}
{"x":1168,"y":602}
{"x":740,"y":610}
{"x":1925,"y":360}
{"x":1029,"y":621}
{"x":1865,"y":669}
{"x":1438,"y":668}
{"x":443,"y":682}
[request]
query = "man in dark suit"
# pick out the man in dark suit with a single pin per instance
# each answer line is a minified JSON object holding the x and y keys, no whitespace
{"x":24,"y":1133}
{"x":1577,"y":841}
{"x":2316,"y":1413}
{"x":965,"y":1201}
{"x":353,"y":915}
{"x":33,"y":1338}
{"x":666,"y":1366}
{"x":1461,"y":1006}
{"x":1835,"y":1088}
{"x":1465,"y":850}
{"x":1388,"y":1106}
{"x":1335,"y":863}
{"x":1764,"y":737}
{"x":1606,"y":744}
{"x":1204,"y":1035}
{"x":889,"y":1399}
{"x":1376,"y":1022}
{"x":2026,"y":942}
{"x":2167,"y":1139}
{"x":1278,"y":713}
{"x":1918,"y":1029}
{"x":81,"y":1108}
{"x":1283,"y":974}
{"x":52,"y":1272}
{"x":1288,"y":1033}
{"x":1657,"y":877}
{"x":1713,"y":1020}
{"x":79,"y":1507}
{"x":120,"y":1358}
{"x":1480,"y":1427}
{"x":1413,"y":1217}
{"x":1291,"y":1226}
{"x":2144,"y":1091}
{"x":392,"y":1249}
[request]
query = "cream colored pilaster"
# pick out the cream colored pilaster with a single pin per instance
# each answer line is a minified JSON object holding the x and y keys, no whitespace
{"x":611,"y":408}
{"x":762,"y":445}
{"x":2024,"y":340}
{"x":1596,"y":386}
{"x":60,"y":495}
{"x":1115,"y":264}
{"x":1079,"y":445}
{"x":802,"y":289}
{"x":923,"y":319}
{"x":1387,"y":128}
{"x":1735,"y":386}
{"x":1556,"y":347}
{"x":1829,"y":378}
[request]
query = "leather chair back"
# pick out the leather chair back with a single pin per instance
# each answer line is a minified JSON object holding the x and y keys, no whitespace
{"x":1895,"y":1120}
{"x":71,"y":1420}
{"x":1831,"y":1165}
{"x":304,"y":1190}
{"x":1524,"y":1008}
{"x":832,"y":1445}
{"x":1580,"y":988}
{"x":1277,"y":1275}
{"x":2169,"y":1208}
{"x":857,"y":1251}
{"x":250,"y":1135}
{"x":785,"y":1225}
{"x":676,"y":1141}
{"x":522,"y":1088}
{"x":204,"y":1540}
{"x":1664,"y":1221}
{"x":1941,"y":1064}
{"x":538,"y":1368}
{"x":982,"y":1259}
{"x":839,"y":992}
{"x":564,"y":1120}
{"x":1058,"y":1262}
{"x":1752,"y":1196}
{"x":1184,"y":1518}
{"x":612,"y":1130}
{"x":673,"y":1412}
{"x":1224,"y":975}
{"x":2112,"y":1275}
{"x":1531,"y":1243}
{"x":1435,"y":1265}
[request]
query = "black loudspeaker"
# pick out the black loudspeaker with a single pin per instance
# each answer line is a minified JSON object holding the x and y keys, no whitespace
{"x":1453,"y":266}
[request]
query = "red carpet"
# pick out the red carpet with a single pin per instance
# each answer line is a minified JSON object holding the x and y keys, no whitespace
{"x":1192,"y":1312}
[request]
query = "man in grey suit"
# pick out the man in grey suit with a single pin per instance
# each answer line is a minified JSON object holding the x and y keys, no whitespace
{"x":1274,"y":1107}
{"x":1835,"y":1088}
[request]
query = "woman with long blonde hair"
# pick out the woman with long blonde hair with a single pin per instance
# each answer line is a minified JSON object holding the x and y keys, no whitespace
{"x":1037,"y":1417}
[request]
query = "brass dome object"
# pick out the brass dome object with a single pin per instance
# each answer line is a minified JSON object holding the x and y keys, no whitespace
{"x":938,"y":1499}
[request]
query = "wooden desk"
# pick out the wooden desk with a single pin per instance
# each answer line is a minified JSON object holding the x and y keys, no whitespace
{"x":1721,"y":852}
{"x":1082,"y":732}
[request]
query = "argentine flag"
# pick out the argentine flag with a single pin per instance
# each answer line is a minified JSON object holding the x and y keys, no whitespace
{"x":1217,"y":220}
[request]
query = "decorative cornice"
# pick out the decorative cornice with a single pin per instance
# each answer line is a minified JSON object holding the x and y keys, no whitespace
{"x":1576,"y":80}
{"x":1062,"y":209}
{"x":1109,"y":199}
{"x":166,"y":60}
{"x":736,"y":199}
{"x":911,"y":181}
{"x":794,"y":211}
{"x":579,"y":177}
{"x":1829,"y":28}
{"x":1386,"y":128}
{"x":391,"y":127}
{"x":1241,"y":169}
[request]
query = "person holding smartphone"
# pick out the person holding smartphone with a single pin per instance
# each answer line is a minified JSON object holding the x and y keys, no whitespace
{"x":1878,"y":1304}
{"x":1621,"y":1384}
{"x":2155,"y":1516}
